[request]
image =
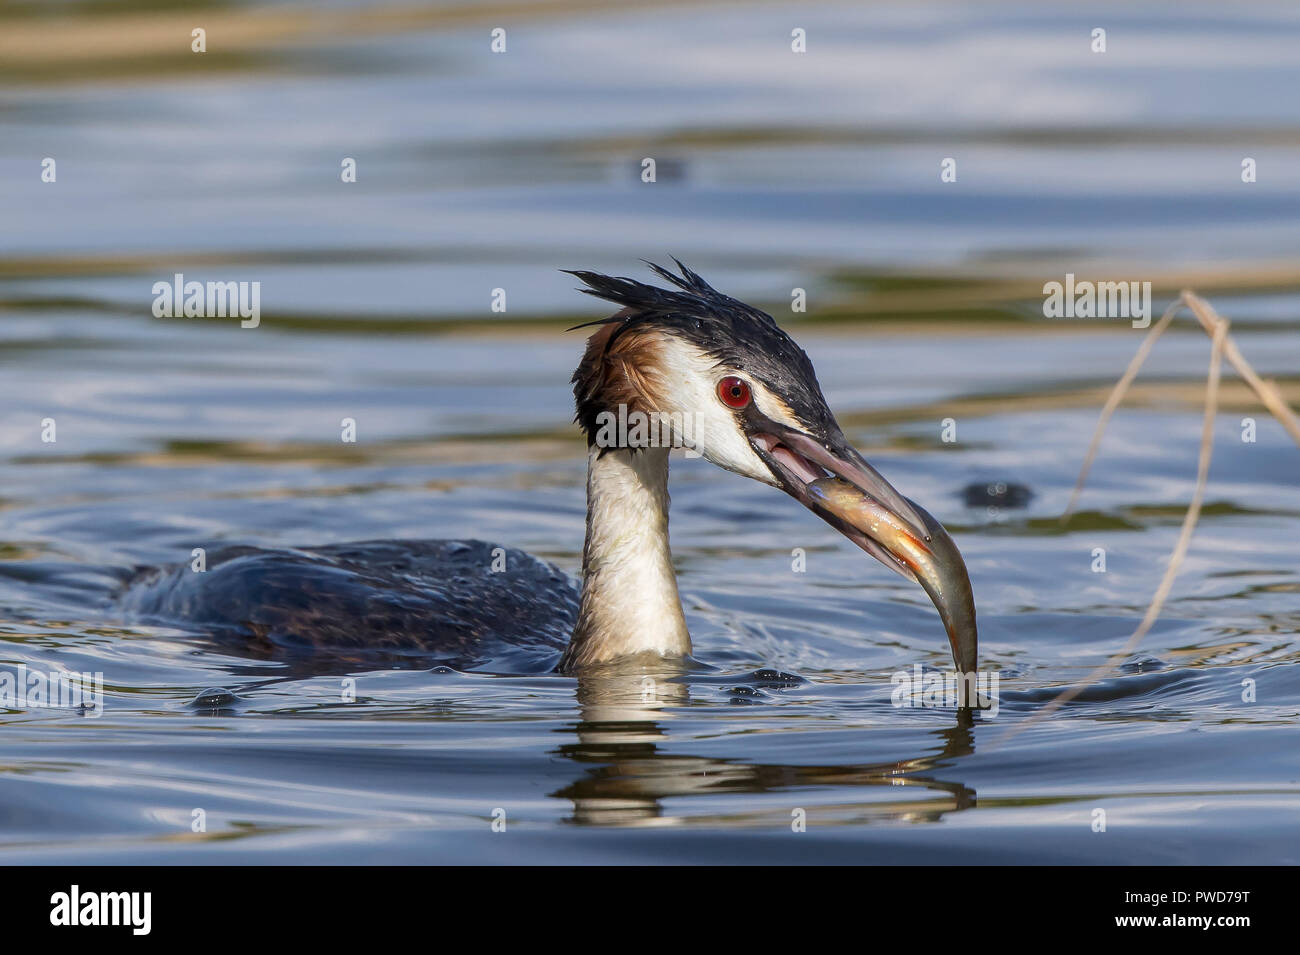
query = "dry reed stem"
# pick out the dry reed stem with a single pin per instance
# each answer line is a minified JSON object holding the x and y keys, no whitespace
{"x":1223,"y":346}
{"x":1116,"y":396}
{"x":1268,"y":392}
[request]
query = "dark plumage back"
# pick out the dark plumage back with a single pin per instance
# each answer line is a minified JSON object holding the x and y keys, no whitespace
{"x":738,"y":335}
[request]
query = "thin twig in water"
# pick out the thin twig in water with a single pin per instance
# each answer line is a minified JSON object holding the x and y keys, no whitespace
{"x":1222,"y":347}
{"x":1116,"y":396}
{"x":1266,"y":390}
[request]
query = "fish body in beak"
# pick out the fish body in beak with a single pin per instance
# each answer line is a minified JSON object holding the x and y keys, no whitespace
{"x":833,"y":481}
{"x":933,"y":562}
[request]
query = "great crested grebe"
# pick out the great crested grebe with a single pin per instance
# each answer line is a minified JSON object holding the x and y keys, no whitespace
{"x":685,"y":354}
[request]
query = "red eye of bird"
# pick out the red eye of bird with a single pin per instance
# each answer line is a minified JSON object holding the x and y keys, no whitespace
{"x":734,"y":392}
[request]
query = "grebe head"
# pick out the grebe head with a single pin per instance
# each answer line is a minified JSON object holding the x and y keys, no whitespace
{"x":736,"y":389}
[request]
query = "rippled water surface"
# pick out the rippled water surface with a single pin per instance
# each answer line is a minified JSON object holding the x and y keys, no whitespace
{"x":775,"y":170}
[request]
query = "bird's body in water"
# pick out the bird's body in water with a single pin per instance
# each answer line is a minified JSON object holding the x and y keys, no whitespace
{"x":734,"y":387}
{"x":401,"y":604}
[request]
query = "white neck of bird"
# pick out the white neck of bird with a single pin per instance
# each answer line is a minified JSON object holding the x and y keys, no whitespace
{"x":629,"y":590}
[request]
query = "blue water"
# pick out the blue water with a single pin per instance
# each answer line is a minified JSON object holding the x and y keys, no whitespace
{"x":775,"y":170}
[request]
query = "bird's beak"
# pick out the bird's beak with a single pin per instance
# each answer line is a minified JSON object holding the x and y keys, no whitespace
{"x":837,"y":484}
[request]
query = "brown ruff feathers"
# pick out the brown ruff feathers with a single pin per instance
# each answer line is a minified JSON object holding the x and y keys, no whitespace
{"x":618,"y":370}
